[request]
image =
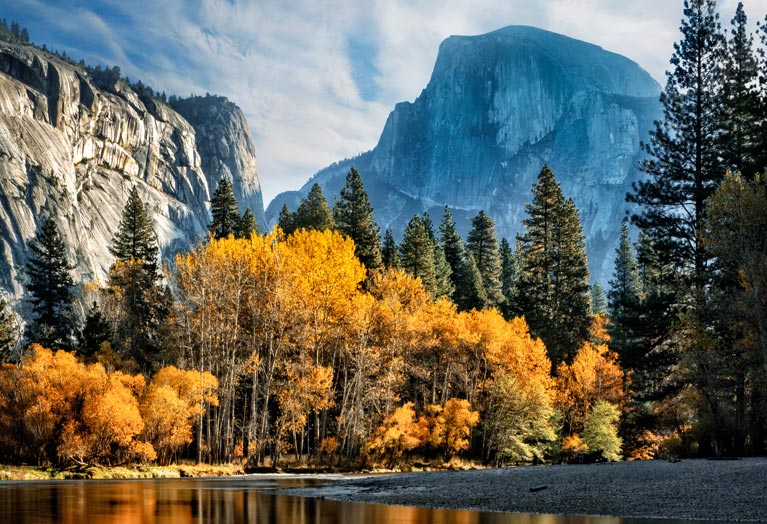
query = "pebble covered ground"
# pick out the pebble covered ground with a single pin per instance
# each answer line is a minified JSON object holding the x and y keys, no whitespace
{"x":719,"y":490}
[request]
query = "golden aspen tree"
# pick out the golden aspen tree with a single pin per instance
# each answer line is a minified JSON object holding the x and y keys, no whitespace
{"x":323,"y":278}
{"x":594,"y":374}
{"x":172,"y":404}
{"x":399,"y":433}
{"x":213,"y":281}
{"x":454,"y":426}
{"x":435,"y":362}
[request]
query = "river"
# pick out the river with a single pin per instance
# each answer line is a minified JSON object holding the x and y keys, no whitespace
{"x":230,"y":500}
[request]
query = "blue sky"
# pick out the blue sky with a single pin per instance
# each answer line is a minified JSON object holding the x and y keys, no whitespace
{"x":317,"y":78}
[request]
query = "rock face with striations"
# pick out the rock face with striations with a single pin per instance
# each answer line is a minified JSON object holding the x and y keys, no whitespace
{"x":73,"y":150}
{"x":497,"y":108}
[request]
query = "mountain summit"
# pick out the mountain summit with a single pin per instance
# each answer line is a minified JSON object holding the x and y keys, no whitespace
{"x":497,"y":108}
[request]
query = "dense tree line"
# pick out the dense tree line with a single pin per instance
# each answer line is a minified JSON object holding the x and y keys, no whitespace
{"x":58,"y":410}
{"x":317,"y":355}
{"x":332,"y":344}
{"x":681,"y":319}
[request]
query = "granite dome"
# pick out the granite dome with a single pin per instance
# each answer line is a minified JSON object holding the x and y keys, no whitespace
{"x":497,"y":108}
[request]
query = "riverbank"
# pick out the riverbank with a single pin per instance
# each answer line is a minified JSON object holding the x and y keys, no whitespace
{"x":120,"y":472}
{"x":719,"y":490}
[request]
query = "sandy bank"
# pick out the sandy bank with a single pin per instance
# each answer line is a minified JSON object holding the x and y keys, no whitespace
{"x":732,"y":490}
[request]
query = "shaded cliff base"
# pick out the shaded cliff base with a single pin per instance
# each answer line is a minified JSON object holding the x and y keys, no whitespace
{"x":714,"y":490}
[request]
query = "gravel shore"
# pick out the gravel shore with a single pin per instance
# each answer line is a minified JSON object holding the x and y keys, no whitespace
{"x":720,"y":490}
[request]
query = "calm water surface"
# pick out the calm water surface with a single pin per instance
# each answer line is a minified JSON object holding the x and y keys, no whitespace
{"x":240,"y":500}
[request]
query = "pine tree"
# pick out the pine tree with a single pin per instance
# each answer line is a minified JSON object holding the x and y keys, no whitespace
{"x":554,"y":278}
{"x":650,"y":353}
{"x":416,"y":254}
{"x":452,"y":244}
{"x":482,"y":243}
{"x":95,"y":332}
{"x":135,"y":237}
{"x":742,"y":144}
{"x":389,"y":255}
{"x":467,"y":282}
{"x":509,"y":277}
{"x":313,"y":212}
{"x":9,"y":330}
{"x":50,"y":287}
{"x":247,"y":225}
{"x":471,"y":294}
{"x":684,"y":150}
{"x":285,"y":220}
{"x":624,"y":299}
{"x":355,"y":220}
{"x":598,"y":299}
{"x":135,"y":280}
{"x":443,"y":285}
{"x":223,"y":208}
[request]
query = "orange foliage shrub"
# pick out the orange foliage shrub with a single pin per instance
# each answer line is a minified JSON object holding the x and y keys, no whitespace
{"x":171,"y":405}
{"x":398,"y":434}
{"x":69,"y":412}
{"x":454,"y":426}
{"x":647,"y":446}
{"x":572,"y":446}
{"x":594,"y":374}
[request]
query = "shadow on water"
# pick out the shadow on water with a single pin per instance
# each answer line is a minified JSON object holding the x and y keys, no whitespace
{"x":246,"y":500}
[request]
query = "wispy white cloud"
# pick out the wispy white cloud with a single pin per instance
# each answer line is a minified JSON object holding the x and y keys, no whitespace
{"x":310,"y":96}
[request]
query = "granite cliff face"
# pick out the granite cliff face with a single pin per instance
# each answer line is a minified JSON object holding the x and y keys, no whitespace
{"x":74,"y":150}
{"x":497,"y":108}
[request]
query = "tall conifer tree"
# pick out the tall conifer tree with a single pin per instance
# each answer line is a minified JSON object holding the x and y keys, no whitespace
{"x":223,"y":208}
{"x":471,"y":294}
{"x":135,"y":278}
{"x":313,"y":212}
{"x":482,"y":243}
{"x":247,"y":225}
{"x":509,"y":278}
{"x":742,"y":143}
{"x":651,"y":353}
{"x":416,"y":254}
{"x":624,"y":299}
{"x":50,"y":288}
{"x":452,"y":244}
{"x":95,"y":332}
{"x":598,"y":299}
{"x":355,"y":220}
{"x":389,"y":255}
{"x":554,"y":279}
{"x":443,"y":283}
{"x":135,"y":238}
{"x":285,"y":220}
{"x":684,"y":165}
{"x":467,"y":282}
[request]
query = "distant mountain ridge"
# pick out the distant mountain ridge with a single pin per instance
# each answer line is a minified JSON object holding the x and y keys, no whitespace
{"x":497,"y":108}
{"x":75,"y":150}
